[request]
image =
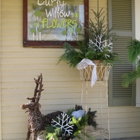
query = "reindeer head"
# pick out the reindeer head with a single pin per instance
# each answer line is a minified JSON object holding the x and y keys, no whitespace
{"x":33,"y":104}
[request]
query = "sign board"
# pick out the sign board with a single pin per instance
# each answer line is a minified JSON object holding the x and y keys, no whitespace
{"x":49,"y":23}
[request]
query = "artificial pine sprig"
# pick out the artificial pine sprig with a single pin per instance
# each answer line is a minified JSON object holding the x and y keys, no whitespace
{"x":134,"y":50}
{"x":99,"y":27}
{"x":72,"y":55}
{"x":133,"y":53}
{"x":131,"y":77}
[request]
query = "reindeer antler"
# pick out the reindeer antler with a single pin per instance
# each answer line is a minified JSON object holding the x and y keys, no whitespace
{"x":38,"y":89}
{"x":36,"y":121}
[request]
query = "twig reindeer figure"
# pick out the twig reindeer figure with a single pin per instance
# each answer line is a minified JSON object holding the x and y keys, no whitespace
{"x":36,"y":120}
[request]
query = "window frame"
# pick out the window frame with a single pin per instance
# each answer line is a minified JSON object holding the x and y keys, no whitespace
{"x":49,"y":44}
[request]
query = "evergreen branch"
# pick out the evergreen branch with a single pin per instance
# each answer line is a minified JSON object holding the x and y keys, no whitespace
{"x":133,"y":53}
{"x":134,"y":50}
{"x":71,"y":56}
{"x":131,"y":77}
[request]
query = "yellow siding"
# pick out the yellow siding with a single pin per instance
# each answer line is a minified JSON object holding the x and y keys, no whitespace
{"x":62,"y":85}
{"x":0,"y":77}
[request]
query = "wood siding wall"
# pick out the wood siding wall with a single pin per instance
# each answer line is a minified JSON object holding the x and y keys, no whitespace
{"x":62,"y":85}
{"x":0,"y":76}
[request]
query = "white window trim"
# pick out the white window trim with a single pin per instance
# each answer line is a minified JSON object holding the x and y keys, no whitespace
{"x":0,"y":75}
{"x":137,"y":36}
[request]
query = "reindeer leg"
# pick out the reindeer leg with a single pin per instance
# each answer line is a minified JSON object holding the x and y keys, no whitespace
{"x":28,"y":133}
{"x":34,"y":136}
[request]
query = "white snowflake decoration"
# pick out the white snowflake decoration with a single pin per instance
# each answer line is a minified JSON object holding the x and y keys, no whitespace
{"x":100,"y":44}
{"x":63,"y":122}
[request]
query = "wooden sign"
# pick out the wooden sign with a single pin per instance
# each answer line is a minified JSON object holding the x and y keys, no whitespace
{"x":49,"y":23}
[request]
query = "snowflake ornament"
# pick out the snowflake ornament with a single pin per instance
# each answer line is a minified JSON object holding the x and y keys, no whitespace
{"x":100,"y":44}
{"x":63,"y":121}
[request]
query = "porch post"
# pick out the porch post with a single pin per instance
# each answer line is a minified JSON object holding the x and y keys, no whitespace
{"x":137,"y":36}
{"x":0,"y":74}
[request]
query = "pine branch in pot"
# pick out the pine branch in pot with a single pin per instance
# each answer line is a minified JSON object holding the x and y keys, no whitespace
{"x":97,"y":45}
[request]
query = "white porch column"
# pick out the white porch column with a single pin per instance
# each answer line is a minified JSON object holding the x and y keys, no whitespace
{"x":137,"y":36}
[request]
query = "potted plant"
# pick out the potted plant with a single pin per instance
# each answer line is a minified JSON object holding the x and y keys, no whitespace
{"x":69,"y":125}
{"x":133,"y":56}
{"x":96,"y":44}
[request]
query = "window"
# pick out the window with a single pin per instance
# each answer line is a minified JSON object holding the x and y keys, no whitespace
{"x":120,"y":18}
{"x":48,"y":23}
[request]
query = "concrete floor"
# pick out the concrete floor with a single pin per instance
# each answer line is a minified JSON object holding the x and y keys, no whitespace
{"x":135,"y":138}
